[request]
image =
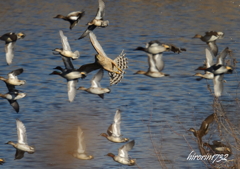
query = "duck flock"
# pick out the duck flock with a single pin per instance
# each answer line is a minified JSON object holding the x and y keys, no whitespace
{"x":115,"y":69}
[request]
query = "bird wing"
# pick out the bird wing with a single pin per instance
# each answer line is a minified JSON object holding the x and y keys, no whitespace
{"x":72,"y":89}
{"x":14,"y":104}
{"x":101,"y":96}
{"x":218,"y":85}
{"x":110,"y":130}
{"x":67,"y":63}
{"x":157,"y":58}
{"x":213,"y":46}
{"x":96,"y":44}
{"x":17,"y":71}
{"x":175,"y":49}
{"x":129,"y":145}
{"x":19,"y":154}
{"x":209,"y":57}
{"x":210,"y":118}
{"x":95,"y":82}
{"x":152,"y":67}
{"x":221,"y":57}
{"x":153,"y":42}
{"x":64,"y":41}
{"x":86,"y":32}
{"x":205,"y":125}
{"x":212,"y":36}
{"x":21,"y":131}
{"x":87,"y":68}
{"x":116,"y":124}
{"x":123,"y":151}
{"x":81,"y":145}
{"x":9,"y":47}
{"x":100,"y":12}
{"x":13,"y":74}
{"x":75,"y":15}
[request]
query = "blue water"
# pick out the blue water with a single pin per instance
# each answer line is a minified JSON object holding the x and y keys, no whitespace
{"x":169,"y":105}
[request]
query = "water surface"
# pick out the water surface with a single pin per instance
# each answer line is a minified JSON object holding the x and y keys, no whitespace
{"x":169,"y":105}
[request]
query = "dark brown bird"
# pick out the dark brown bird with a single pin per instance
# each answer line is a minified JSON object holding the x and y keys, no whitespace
{"x":204,"y":128}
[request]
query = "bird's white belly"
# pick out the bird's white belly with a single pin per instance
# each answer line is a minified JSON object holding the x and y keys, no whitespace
{"x":97,"y":90}
{"x":25,"y":147}
{"x":121,"y":160}
{"x":73,"y":75}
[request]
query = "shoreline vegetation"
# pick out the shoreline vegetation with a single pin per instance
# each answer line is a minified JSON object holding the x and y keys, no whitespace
{"x":223,"y":129}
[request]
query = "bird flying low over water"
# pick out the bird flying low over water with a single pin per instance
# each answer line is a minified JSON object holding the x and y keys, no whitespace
{"x":209,"y":63}
{"x":210,"y":38}
{"x":10,"y":40}
{"x":154,"y":50}
{"x":122,"y":156}
{"x":102,"y":59}
{"x":97,"y":21}
{"x":203,"y":129}
{"x":156,"y":47}
{"x":22,"y":145}
{"x":66,"y":50}
{"x":216,"y":71}
{"x":116,"y":68}
{"x":13,"y":94}
{"x":220,"y":67}
{"x":71,"y":75}
{"x":72,"y":17}
{"x":155,"y":64}
{"x":114,"y":130}
{"x":95,"y":85}
{"x":13,"y":79}
{"x":72,"y":78}
{"x":80,"y":154}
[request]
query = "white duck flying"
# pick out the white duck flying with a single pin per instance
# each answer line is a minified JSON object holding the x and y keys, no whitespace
{"x":114,"y":130}
{"x":66,"y":50}
{"x":95,"y":85}
{"x":122,"y":156}
{"x":10,"y":40}
{"x":22,"y":145}
{"x":13,"y":79}
{"x":97,"y":21}
{"x":71,"y":75}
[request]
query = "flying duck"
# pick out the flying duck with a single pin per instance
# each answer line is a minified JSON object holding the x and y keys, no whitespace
{"x":98,"y":21}
{"x":22,"y":145}
{"x":72,"y":17}
{"x":10,"y":40}
{"x":114,"y":130}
